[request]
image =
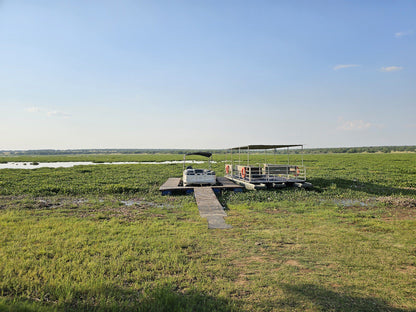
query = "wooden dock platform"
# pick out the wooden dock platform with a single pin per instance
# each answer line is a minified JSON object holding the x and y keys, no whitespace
{"x":208,"y":205}
{"x":210,"y":208}
{"x":174,"y":185}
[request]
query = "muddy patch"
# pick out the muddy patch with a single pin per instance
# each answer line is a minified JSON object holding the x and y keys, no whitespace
{"x":297,"y":265}
{"x":352,"y":203}
{"x":142,"y":203}
{"x":409,"y":269}
{"x":279,"y":211}
{"x":398,"y":208}
{"x":294,"y":263}
{"x":100,"y":209}
{"x":399,"y":202}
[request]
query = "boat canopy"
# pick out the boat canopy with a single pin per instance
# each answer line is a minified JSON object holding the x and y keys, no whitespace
{"x":205,"y":154}
{"x":257,"y":147}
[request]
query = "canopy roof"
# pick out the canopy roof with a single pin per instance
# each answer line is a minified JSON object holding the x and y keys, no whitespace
{"x":257,"y":147}
{"x":205,"y":154}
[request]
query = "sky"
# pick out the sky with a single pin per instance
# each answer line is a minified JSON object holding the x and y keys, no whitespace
{"x":206,"y":74}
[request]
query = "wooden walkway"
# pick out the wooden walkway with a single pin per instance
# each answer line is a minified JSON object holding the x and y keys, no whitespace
{"x":175,"y":185}
{"x":170,"y":184}
{"x":209,"y":207}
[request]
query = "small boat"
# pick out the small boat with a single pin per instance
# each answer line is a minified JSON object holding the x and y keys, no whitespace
{"x":193,"y":176}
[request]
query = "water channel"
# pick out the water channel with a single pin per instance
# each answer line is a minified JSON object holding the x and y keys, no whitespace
{"x":68,"y":164}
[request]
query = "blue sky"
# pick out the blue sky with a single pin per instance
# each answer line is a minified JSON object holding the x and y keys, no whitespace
{"x":206,"y":74}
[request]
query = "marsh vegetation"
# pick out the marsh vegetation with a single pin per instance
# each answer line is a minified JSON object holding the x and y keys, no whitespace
{"x":103,"y":238}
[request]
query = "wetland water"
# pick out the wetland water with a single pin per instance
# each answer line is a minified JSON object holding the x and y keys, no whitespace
{"x":68,"y":164}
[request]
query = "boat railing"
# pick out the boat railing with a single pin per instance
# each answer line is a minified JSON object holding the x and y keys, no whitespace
{"x":266,"y":172}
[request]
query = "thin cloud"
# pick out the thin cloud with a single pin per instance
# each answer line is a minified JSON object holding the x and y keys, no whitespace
{"x":58,"y":114}
{"x":391,"y":68}
{"x":342,"y":66}
{"x":354,"y":125}
{"x":48,"y":113}
{"x":401,"y":34}
{"x":33,"y":110}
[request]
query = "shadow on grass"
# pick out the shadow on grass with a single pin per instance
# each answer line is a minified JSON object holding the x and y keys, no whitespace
{"x":329,"y":300}
{"x":116,"y":299}
{"x":223,"y":201}
{"x":369,"y":188}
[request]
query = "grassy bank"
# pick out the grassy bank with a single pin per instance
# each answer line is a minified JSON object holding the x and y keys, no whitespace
{"x":102,"y":238}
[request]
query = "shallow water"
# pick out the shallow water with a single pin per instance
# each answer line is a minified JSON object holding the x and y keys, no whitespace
{"x":370,"y":202}
{"x":355,"y":202}
{"x":68,"y":164}
{"x":133,"y":202}
{"x":351,"y":202}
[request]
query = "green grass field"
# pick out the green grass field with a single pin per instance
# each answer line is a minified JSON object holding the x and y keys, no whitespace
{"x":102,"y":238}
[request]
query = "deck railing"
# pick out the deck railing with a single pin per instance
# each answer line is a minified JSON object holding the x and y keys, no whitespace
{"x":266,"y":172}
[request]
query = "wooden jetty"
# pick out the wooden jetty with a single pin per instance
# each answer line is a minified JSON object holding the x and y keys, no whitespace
{"x":210,"y":208}
{"x":208,"y":205}
{"x":174,"y":185}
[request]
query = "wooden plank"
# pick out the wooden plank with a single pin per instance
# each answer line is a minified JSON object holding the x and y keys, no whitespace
{"x":248,"y":185}
{"x":171,"y":183}
{"x":226,"y":182}
{"x":217,"y":222}
{"x":207,"y":202}
{"x":209,"y":207}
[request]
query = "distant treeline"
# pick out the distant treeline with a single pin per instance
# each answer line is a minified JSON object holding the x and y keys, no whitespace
{"x":365,"y":149}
